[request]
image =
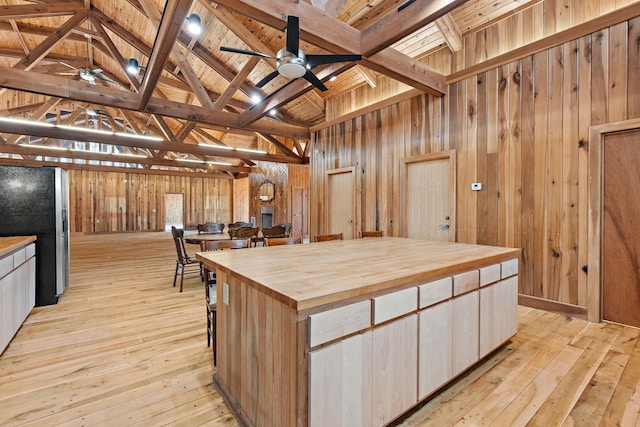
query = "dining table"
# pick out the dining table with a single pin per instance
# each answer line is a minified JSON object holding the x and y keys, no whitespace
{"x":197,"y":238}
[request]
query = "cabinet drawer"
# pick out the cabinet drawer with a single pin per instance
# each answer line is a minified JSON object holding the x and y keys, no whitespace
{"x":489,"y":274}
{"x":19,"y":257}
{"x":6,"y":265}
{"x":510,"y":268}
{"x":390,"y":306}
{"x":435,"y":292}
{"x":30,"y":250}
{"x":341,"y":321}
{"x":465,"y":282}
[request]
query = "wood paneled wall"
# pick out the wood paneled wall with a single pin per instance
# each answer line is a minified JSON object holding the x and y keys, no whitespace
{"x":542,"y":19}
{"x":283,"y":176}
{"x":110,"y":201}
{"x":375,"y":144}
{"x":520,"y":129}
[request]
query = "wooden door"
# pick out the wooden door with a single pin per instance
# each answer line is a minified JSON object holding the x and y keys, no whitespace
{"x":298,"y":212}
{"x":341,"y":202}
{"x":429,"y":197}
{"x":173,"y":210}
{"x":620,"y":231}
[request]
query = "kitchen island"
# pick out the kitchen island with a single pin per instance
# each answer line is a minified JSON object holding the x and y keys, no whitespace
{"x":355,"y":332}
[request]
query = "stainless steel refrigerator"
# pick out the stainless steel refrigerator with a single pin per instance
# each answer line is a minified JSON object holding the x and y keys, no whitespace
{"x":35,"y":201}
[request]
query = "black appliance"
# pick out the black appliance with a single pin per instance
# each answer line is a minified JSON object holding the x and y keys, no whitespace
{"x":34,"y":201}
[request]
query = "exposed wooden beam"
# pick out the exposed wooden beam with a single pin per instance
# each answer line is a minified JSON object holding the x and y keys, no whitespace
{"x":396,"y":25}
{"x":36,"y":150}
{"x":145,"y":171}
{"x":117,"y":98}
{"x":292,"y":90}
{"x":338,"y":37}
{"x":330,"y":7}
{"x":37,"y":115}
{"x":33,"y":57}
{"x":282,"y":147}
{"x":21,"y":109}
{"x":173,"y":18}
{"x":27,"y":11}
{"x":368,"y":76}
{"x":224,"y":98}
{"x":450,"y":31}
{"x":86,"y":135}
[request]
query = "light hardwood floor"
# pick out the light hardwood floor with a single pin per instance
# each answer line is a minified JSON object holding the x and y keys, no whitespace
{"x":123,"y":347}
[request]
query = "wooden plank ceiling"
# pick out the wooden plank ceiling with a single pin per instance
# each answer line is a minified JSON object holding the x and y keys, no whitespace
{"x":194,"y":99}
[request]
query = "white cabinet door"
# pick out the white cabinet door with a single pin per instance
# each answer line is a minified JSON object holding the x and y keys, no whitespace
{"x":395,"y":368}
{"x":498,"y":314}
{"x":466,"y":328}
{"x":340,"y":386}
{"x":435,"y":354}
{"x":6,"y":310}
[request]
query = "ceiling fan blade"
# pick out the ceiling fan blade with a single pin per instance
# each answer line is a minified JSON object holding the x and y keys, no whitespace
{"x":245,"y":52}
{"x":313,"y":60}
{"x":311,"y":78}
{"x":96,"y":71}
{"x":67,"y":65}
{"x":293,"y":34}
{"x":267,"y":79}
{"x":106,"y":79}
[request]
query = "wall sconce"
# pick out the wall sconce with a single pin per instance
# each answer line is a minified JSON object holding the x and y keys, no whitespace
{"x":194,"y":25}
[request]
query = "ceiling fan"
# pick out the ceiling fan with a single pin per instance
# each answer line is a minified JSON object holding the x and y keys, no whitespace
{"x":89,"y":74}
{"x":291,"y":61}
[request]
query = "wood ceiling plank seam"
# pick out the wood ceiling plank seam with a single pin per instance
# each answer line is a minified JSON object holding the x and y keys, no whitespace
{"x":33,"y":57}
{"x":172,"y":20}
{"x":508,"y":9}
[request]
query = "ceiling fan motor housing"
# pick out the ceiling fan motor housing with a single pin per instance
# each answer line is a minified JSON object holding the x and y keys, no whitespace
{"x":290,"y":65}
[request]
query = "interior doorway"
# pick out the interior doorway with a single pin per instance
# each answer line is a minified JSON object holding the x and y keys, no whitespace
{"x":429,"y":196}
{"x":341,"y":201}
{"x":173,"y":210}
{"x":620,"y":233}
{"x":298,"y":211}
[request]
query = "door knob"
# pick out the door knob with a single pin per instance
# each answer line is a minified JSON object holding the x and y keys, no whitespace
{"x":444,"y":226}
{"x":350,"y":221}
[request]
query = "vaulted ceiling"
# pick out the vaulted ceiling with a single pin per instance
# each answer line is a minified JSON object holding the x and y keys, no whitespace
{"x":190,"y":106}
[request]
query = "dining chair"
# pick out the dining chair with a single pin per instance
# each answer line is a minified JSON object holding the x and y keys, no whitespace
{"x":277,"y":241}
{"x":184,"y":261}
{"x":287,"y":228}
{"x":210,"y":286}
{"x":275,"y":231}
{"x":245,"y":233}
{"x":371,"y":233}
{"x":327,"y":237}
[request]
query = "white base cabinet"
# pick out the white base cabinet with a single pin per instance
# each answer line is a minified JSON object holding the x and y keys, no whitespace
{"x":17,"y":291}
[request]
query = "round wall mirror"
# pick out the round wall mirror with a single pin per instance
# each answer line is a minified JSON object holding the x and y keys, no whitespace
{"x":266,"y":191}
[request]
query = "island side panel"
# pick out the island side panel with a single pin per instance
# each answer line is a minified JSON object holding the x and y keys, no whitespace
{"x":257,"y":348}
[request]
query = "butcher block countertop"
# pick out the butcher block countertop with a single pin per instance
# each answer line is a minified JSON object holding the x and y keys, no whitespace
{"x":13,"y":243}
{"x":307,"y":276}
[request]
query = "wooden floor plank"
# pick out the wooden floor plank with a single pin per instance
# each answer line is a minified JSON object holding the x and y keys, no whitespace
{"x":123,"y":347}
